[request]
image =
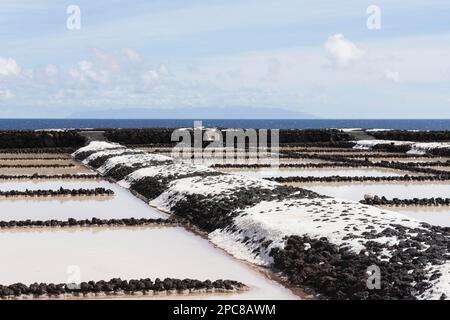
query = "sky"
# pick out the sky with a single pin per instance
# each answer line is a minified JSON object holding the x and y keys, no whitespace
{"x":329,"y":58}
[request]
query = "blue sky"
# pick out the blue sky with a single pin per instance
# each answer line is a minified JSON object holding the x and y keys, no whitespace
{"x":316,"y":56}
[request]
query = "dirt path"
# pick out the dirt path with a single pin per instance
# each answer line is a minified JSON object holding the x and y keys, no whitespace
{"x":361,"y":135}
{"x":93,"y":135}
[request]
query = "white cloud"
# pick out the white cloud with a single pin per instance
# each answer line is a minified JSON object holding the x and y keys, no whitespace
{"x":163,"y":70}
{"x":274,"y":67}
{"x":150,"y":76}
{"x":9,"y":67}
{"x":392,"y":75}
{"x":5,"y":94}
{"x":85,"y":70}
{"x":341,"y":51}
{"x":105,"y":59}
{"x":131,"y":54}
{"x":51,"y":70}
{"x":292,"y":78}
{"x":28,"y":73}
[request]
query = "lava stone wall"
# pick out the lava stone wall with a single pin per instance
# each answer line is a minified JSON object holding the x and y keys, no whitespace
{"x":419,"y":136}
{"x":41,"y":139}
{"x":117,"y":286}
{"x":140,"y":136}
{"x":386,"y":147}
{"x":163,"y":136}
{"x":36,"y":176}
{"x":313,"y":135}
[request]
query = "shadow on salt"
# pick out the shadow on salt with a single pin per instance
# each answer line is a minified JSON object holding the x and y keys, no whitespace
{"x":37,"y":255}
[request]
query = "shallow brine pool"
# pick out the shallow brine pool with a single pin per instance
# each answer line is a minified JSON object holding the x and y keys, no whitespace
{"x":4,"y":155}
{"x":122,"y":205}
{"x":422,"y":159}
{"x":299,"y":160}
{"x":40,"y":255}
{"x":356,"y":190}
{"x":441,"y":168}
{"x":439,"y":216}
{"x":27,"y":161}
{"x":56,"y":184}
{"x":44,"y":171}
{"x":306,"y":172}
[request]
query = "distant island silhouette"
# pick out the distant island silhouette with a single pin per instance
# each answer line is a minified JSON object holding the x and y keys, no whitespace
{"x":191,"y":113}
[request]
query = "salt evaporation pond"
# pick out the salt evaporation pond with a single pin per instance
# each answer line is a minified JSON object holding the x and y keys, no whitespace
{"x":37,"y":161}
{"x":297,"y":160}
{"x":356,"y":191}
{"x":34,"y":155}
{"x":243,"y":161}
{"x":47,"y":171}
{"x":6,"y":185}
{"x":122,"y":205}
{"x":306,"y":172}
{"x":43,"y":255}
{"x":422,"y":159}
{"x":439,"y":216}
{"x":441,"y":168}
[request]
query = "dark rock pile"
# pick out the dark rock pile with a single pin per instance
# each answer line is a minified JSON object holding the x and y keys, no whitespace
{"x":71,"y":222}
{"x":84,"y":154}
{"x":382,"y":201}
{"x":149,"y":187}
{"x":210,"y":213}
{"x":390,"y":147}
{"x":152,"y":187}
{"x":337,"y":273}
{"x":118,"y":286}
{"x":440,"y":152}
{"x":99,"y":161}
{"x":49,"y":177}
{"x":331,"y":269}
{"x":120,"y":171}
{"x":58,"y":192}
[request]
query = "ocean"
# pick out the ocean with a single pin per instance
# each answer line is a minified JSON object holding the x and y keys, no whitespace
{"x":402,"y":124}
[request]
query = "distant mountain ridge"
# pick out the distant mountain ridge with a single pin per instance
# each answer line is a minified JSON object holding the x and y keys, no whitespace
{"x":193,"y":113}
